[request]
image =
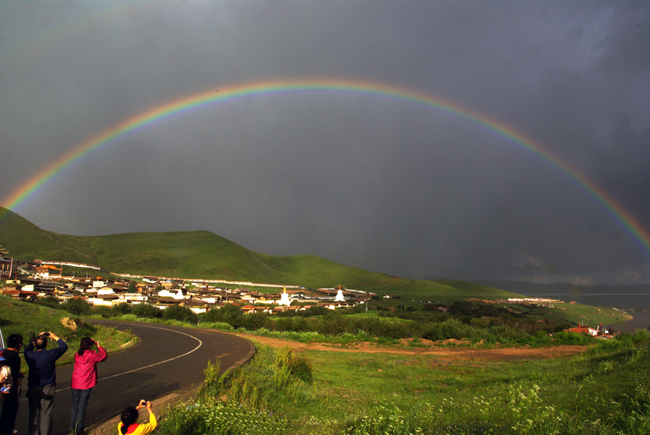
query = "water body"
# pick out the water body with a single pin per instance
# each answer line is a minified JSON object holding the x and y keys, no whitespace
{"x":640,"y":321}
{"x":633,"y":299}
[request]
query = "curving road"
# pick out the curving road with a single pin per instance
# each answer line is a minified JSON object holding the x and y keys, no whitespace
{"x":166,"y":359}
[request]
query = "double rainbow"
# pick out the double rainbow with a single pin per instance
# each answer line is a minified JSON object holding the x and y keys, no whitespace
{"x":346,"y":87}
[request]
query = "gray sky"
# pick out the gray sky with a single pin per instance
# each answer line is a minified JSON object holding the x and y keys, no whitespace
{"x":381,"y":184}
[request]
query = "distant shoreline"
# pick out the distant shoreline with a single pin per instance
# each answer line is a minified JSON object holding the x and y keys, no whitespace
{"x":639,"y":321}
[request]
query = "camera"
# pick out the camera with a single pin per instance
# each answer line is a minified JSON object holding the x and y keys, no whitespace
{"x":32,"y":336}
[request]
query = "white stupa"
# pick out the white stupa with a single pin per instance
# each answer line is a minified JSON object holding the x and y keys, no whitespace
{"x":284,"y":298}
{"x":339,"y":295}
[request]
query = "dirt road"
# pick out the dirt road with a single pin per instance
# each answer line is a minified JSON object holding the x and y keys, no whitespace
{"x":426,"y":347}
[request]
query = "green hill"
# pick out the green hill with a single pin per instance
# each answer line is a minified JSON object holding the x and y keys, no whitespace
{"x":202,"y":254}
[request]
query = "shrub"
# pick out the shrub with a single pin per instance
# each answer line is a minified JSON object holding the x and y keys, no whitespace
{"x":76,"y":306}
{"x":314,"y":311}
{"x":120,"y":309}
{"x":183,"y":314}
{"x":105,"y":312}
{"x":147,"y":311}
{"x":49,"y":301}
{"x":230,"y":314}
{"x":564,"y":337}
{"x":255,"y":321}
{"x":294,"y":364}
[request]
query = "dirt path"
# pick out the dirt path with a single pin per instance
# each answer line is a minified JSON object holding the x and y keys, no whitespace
{"x":427,"y":347}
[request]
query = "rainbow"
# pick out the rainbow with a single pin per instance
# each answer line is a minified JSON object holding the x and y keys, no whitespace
{"x":347,"y":87}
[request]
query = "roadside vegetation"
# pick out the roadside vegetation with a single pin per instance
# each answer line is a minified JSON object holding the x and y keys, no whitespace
{"x":468,"y":324}
{"x":477,"y":323}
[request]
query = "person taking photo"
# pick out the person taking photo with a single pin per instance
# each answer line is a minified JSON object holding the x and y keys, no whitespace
{"x":128,"y":424}
{"x":41,"y":381}
{"x":84,"y":378}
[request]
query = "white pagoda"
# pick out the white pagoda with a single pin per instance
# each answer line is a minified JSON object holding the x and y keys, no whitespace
{"x":284,"y":298}
{"x":339,"y":295}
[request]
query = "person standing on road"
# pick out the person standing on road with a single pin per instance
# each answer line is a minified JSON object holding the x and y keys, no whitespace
{"x":41,"y":382}
{"x":84,"y":378}
{"x":10,"y":407}
{"x":129,"y":418}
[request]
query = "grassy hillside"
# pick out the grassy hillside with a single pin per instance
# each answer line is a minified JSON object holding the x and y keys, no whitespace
{"x":201,"y":254}
{"x":23,"y":317}
{"x":26,"y":242}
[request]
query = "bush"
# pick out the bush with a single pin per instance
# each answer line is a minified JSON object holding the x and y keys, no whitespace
{"x":49,"y":301}
{"x":230,"y":314}
{"x":294,"y":364}
{"x":255,"y":321}
{"x":105,"y":312}
{"x":77,"y":306}
{"x":183,"y":314}
{"x":564,"y":337}
{"x":314,"y":311}
{"x":147,"y":311}
{"x":120,"y":309}
{"x":333,"y":324}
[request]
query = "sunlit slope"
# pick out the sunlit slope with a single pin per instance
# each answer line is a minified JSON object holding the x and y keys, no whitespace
{"x":26,"y":242}
{"x":471,"y":289}
{"x":202,"y":254}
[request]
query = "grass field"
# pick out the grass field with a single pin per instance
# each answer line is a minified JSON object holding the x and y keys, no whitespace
{"x":604,"y":390}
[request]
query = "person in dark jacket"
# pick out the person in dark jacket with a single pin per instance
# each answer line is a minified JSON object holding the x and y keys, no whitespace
{"x":10,"y":407}
{"x":41,"y":381}
{"x":84,"y":378}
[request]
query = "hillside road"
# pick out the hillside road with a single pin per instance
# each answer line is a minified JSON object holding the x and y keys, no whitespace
{"x":166,"y":359}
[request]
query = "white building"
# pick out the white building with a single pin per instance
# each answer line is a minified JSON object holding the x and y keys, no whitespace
{"x":169,"y":294}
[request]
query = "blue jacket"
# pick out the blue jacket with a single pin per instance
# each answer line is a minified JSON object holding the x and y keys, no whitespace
{"x":42,"y":364}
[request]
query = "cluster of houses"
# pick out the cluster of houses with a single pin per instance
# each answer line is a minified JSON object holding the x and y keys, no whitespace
{"x":600,"y":332}
{"x":42,"y":279}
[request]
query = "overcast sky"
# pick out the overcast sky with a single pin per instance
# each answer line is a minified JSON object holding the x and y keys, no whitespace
{"x":381,"y":184}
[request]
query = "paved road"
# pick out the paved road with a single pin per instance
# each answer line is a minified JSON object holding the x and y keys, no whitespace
{"x":166,"y":359}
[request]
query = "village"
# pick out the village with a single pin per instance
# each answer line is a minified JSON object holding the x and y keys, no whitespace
{"x":42,"y":279}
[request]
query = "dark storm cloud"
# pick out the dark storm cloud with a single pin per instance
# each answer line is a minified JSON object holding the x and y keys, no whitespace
{"x":384,"y":185}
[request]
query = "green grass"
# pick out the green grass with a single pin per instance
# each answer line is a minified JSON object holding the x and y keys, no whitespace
{"x":605,"y":390}
{"x":23,"y":318}
{"x":588,"y":315}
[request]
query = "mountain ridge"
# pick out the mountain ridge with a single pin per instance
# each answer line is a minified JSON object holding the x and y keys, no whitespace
{"x":203,"y":254}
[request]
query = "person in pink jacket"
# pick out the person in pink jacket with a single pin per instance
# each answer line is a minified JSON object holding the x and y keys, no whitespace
{"x":84,"y":378}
